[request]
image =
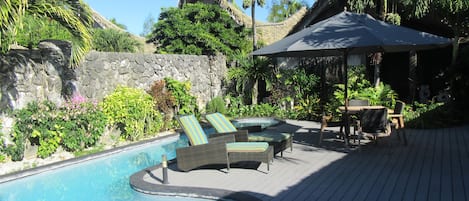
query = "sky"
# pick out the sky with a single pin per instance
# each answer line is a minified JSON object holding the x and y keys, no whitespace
{"x":132,"y":13}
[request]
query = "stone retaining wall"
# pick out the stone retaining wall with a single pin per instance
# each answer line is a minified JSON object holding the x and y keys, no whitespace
{"x":29,"y":75}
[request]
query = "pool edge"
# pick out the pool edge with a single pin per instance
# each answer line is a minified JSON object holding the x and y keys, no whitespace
{"x":140,"y":185}
{"x":55,"y":165}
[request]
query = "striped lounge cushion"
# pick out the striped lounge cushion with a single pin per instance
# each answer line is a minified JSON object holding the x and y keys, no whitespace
{"x":193,"y":130}
{"x":247,"y":146}
{"x":267,"y":136}
{"x":220,"y":123}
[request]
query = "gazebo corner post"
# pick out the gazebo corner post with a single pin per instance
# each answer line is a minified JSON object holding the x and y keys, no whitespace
{"x":345,"y":116}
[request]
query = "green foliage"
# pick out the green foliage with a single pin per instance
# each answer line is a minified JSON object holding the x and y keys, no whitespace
{"x":164,"y":101}
{"x":36,"y":29}
{"x":217,"y":104}
{"x":247,"y":72}
{"x":307,"y":108}
{"x":2,"y":144}
{"x":49,"y":140}
{"x":238,"y":109}
{"x":360,"y":88}
{"x":133,"y":111}
{"x":282,"y":9}
{"x":75,"y":16}
{"x":200,"y":29}
{"x":84,"y":123}
{"x":359,"y":6}
{"x":111,"y":40}
{"x":39,"y":118}
{"x":114,"y":21}
{"x":76,"y":126}
{"x":185,"y":102}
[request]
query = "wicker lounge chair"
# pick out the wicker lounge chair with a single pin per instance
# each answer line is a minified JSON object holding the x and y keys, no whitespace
{"x":280,"y":141}
{"x":219,"y":149}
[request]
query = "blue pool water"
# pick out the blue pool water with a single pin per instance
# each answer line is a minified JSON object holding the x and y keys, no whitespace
{"x":102,"y":179}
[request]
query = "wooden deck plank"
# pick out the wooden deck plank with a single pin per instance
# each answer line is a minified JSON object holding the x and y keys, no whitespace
{"x":457,"y":186}
{"x":409,"y":155}
{"x":434,"y":190}
{"x":463,"y":139}
{"x":432,"y":167}
{"x":418,"y":145}
{"x":331,"y":175}
{"x":426,"y":171}
{"x":446,"y":166}
{"x":366,"y":177}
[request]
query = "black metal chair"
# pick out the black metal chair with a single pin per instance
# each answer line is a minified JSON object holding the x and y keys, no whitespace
{"x":372,"y":122}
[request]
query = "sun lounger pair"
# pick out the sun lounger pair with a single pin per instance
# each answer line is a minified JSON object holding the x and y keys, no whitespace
{"x":280,"y":141}
{"x":217,"y":149}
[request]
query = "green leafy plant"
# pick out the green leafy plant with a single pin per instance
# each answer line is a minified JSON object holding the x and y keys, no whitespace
{"x":133,"y":111}
{"x":217,"y":104}
{"x":185,"y":102}
{"x":2,"y":144}
{"x":49,"y":140}
{"x":198,"y":29}
{"x":84,"y":123}
{"x":360,"y":88}
{"x":111,"y":40}
{"x":39,"y":118}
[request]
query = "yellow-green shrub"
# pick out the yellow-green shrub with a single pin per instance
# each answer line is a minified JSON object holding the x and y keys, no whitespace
{"x":132,"y":110}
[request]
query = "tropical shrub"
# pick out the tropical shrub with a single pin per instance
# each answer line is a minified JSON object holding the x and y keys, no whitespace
{"x":217,"y":104}
{"x":36,"y":123}
{"x":360,"y":88}
{"x":2,"y":144}
{"x":164,"y":101}
{"x":185,"y":102}
{"x":76,"y":126}
{"x":111,"y":40}
{"x":36,"y":29}
{"x":132,"y":110}
{"x":84,"y":123}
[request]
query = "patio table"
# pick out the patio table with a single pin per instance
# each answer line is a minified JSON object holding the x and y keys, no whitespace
{"x":355,"y":110}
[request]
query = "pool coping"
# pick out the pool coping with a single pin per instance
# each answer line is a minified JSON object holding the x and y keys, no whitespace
{"x":140,"y":185}
{"x":55,"y":165}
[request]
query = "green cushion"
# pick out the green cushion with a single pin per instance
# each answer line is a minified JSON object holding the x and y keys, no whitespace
{"x":247,"y":146}
{"x":220,"y":123}
{"x":193,"y":130}
{"x":268,"y":137}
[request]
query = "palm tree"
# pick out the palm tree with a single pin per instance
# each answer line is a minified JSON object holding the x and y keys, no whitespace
{"x":252,"y":4}
{"x":74,"y":15}
{"x":248,"y":72}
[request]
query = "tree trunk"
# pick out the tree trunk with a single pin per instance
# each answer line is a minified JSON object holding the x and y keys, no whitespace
{"x":253,"y":16}
{"x":255,"y":92}
{"x":455,"y":47}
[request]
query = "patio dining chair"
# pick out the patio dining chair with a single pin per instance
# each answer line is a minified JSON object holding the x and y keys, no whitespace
{"x":397,"y":119}
{"x":217,"y":149}
{"x":372,"y":122}
{"x":353,"y":118}
{"x":279,"y":140}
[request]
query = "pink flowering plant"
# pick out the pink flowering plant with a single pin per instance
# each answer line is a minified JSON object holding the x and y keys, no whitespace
{"x":76,"y":125}
{"x":84,"y":122}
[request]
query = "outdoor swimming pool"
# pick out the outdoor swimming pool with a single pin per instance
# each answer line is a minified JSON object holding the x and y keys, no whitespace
{"x":105,"y":178}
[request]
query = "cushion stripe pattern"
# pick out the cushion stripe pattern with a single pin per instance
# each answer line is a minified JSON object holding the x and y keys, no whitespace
{"x":220,"y":123}
{"x":247,"y":146}
{"x":193,"y":130}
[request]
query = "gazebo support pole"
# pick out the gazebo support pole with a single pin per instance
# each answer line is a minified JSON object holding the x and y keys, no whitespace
{"x":345,"y":116}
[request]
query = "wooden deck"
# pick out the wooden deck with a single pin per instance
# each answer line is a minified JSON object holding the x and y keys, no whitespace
{"x":433,"y":166}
